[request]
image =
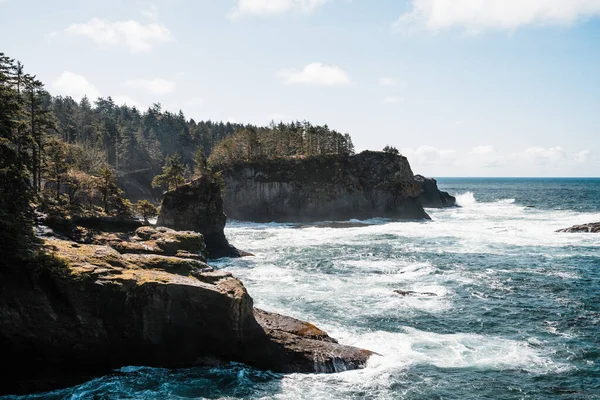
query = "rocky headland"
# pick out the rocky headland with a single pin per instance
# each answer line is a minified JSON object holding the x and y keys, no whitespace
{"x":330,"y":187}
{"x":80,"y":310}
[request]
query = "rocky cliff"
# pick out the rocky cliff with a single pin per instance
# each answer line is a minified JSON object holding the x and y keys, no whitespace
{"x":431,"y":196}
{"x":80,"y":310}
{"x":367,"y":185}
{"x":198,"y":206}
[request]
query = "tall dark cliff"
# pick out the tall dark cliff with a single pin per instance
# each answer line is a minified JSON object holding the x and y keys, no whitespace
{"x":367,"y":185}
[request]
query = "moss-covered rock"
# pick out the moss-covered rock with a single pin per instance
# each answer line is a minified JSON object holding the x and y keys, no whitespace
{"x":80,"y":310}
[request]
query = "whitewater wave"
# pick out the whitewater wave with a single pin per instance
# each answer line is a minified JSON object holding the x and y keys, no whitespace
{"x":465,"y":199}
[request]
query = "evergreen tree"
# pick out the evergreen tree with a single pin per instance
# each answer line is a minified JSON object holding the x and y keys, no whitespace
{"x":146,"y":210}
{"x":173,"y":174}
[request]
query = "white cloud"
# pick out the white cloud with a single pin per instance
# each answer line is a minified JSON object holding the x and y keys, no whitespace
{"x":74,"y":85}
{"x":478,"y":15}
{"x":393,"y":99}
{"x":483,"y":156}
{"x":386,"y":81}
{"x":483,"y":150}
{"x":124,"y":99}
{"x":272,"y":7}
{"x":134,"y":35}
{"x":583,"y":156}
{"x":541,"y":155}
{"x":156,"y":85}
{"x":429,"y":155}
{"x":315,"y":74}
{"x":151,"y":13}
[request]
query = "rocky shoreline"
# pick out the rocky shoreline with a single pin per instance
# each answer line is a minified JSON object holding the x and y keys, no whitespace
{"x":82,"y":310}
{"x":104,"y":292}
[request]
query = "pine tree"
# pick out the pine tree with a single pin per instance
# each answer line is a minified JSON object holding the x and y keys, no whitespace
{"x":173,"y":174}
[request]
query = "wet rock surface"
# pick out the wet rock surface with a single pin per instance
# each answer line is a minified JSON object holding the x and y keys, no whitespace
{"x":431,"y":196}
{"x":586,"y":228}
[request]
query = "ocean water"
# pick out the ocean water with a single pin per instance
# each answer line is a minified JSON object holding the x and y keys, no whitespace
{"x":516,"y":316}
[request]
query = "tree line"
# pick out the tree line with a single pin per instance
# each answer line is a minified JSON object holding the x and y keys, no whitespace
{"x":56,"y":152}
{"x":295,"y":139}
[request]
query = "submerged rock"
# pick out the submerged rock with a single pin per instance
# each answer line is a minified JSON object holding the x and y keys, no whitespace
{"x":586,"y":228}
{"x":198,"y":207}
{"x":324,"y":188}
{"x":413,"y":293}
{"x":80,"y":311}
{"x":431,"y":196}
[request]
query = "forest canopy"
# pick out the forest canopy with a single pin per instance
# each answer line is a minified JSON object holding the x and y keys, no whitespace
{"x":58,"y":153}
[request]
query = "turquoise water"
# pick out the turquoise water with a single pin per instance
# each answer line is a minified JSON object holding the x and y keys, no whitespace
{"x":516,"y":316}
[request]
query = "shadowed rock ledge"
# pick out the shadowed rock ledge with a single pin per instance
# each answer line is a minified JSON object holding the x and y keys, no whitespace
{"x":79,"y":311}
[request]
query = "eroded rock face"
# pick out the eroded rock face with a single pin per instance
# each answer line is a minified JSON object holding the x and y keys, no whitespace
{"x":292,"y":345}
{"x":198,"y":207}
{"x":431,"y":196}
{"x":367,"y":185}
{"x":586,"y":228}
{"x":89,"y":309}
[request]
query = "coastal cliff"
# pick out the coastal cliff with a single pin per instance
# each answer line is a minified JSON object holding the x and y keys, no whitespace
{"x":331,"y":187}
{"x":78,"y":311}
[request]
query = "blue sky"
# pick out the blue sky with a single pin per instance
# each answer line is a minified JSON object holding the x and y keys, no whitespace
{"x":462,"y":87}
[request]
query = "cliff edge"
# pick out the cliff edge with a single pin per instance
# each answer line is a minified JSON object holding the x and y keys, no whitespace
{"x":331,"y":187}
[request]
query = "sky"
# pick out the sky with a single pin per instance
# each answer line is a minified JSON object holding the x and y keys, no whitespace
{"x":460,"y":87}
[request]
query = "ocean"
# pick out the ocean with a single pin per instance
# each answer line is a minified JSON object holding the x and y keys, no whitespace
{"x":516,"y":311}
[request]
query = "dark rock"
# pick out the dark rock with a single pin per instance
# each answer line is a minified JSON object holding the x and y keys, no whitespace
{"x":137,"y":185}
{"x":198,"y":207}
{"x":586,"y":228}
{"x":87,"y":310}
{"x":323,"y":188}
{"x":108,"y":224}
{"x":291,"y":345}
{"x":431,"y":196}
{"x":413,"y":293}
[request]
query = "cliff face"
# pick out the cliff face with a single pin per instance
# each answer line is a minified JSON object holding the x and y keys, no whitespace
{"x":431,"y":196}
{"x":198,"y":207}
{"x":88,"y":309}
{"x":367,"y":185}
